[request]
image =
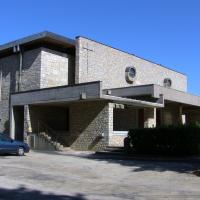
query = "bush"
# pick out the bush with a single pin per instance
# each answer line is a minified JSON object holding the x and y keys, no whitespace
{"x":171,"y":140}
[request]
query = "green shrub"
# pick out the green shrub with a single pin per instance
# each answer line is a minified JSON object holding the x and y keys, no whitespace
{"x":170,"y":140}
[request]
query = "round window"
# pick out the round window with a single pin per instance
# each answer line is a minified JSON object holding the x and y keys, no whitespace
{"x":130,"y":74}
{"x":167,"y":82}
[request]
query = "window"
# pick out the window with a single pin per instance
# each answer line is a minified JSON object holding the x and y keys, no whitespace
{"x":130,"y":74}
{"x":167,"y":82}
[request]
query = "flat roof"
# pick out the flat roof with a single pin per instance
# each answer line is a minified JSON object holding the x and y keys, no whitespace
{"x":155,"y":91}
{"x":42,"y":37}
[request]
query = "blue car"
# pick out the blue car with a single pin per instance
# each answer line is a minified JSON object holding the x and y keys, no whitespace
{"x":10,"y":146}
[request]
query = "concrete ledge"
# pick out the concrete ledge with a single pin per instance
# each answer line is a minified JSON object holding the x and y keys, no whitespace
{"x":155,"y":91}
{"x":91,"y":90}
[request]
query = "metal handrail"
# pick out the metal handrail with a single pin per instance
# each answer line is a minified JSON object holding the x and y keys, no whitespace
{"x":49,"y":131}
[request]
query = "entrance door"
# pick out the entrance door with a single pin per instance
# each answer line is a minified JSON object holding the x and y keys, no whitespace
{"x":141,"y":118}
{"x":18,"y":112}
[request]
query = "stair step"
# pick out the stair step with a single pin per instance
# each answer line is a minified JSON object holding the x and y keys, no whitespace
{"x":51,"y":141}
{"x":114,"y":149}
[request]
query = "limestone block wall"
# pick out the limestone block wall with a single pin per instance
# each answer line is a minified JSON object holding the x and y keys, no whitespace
{"x":95,"y":61}
{"x":41,"y":68}
{"x":9,"y":67}
{"x":4,"y":115}
{"x":55,"y":68}
{"x":31,"y":69}
{"x":89,"y":121}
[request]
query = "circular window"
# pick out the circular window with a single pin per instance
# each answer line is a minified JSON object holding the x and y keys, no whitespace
{"x":167,"y":82}
{"x":130,"y":74}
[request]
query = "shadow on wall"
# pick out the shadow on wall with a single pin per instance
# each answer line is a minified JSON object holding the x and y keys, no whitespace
{"x":6,"y":127}
{"x":23,"y":193}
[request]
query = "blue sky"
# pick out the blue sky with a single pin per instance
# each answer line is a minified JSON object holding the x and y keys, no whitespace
{"x":164,"y":31}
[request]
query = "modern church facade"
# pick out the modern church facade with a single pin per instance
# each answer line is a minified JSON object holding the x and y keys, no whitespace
{"x":57,"y":92}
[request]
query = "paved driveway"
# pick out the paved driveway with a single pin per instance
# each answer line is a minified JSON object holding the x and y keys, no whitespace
{"x":61,"y":176}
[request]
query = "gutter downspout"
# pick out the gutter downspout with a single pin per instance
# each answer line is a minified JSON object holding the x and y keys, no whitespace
{"x":17,"y":49}
{"x":20,"y":70}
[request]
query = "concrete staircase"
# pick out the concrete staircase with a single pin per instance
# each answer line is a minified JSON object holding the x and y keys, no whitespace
{"x":56,"y":145}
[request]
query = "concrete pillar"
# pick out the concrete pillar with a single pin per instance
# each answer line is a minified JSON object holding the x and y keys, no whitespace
{"x":181,"y":116}
{"x":149,"y":117}
{"x":110,"y":122}
{"x":12,"y":123}
{"x":27,"y":122}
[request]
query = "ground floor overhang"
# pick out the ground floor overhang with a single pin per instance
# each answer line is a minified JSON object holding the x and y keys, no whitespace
{"x":155,"y":91}
{"x":89,"y":117}
{"x":91,"y":91}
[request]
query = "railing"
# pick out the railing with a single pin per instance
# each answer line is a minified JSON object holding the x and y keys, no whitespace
{"x":55,"y":136}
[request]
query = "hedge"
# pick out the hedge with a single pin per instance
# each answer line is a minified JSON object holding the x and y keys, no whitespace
{"x":170,"y":140}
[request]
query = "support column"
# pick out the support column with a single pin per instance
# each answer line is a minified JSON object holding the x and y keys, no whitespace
{"x":149,"y":117}
{"x":27,"y":123}
{"x":182,"y":119}
{"x":110,"y":122}
{"x":12,"y":123}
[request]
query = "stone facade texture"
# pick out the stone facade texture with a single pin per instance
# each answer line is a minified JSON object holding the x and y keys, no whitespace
{"x":41,"y":68}
{"x":55,"y":68}
{"x":90,"y":125}
{"x":87,"y":125}
{"x":96,"y":61}
{"x":10,"y":78}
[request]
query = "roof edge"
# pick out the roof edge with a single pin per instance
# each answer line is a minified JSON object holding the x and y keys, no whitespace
{"x":131,"y":54}
{"x":37,"y":36}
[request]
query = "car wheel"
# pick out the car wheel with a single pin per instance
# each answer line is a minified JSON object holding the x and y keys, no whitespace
{"x":20,"y":151}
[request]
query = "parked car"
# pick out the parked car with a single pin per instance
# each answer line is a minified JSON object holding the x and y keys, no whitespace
{"x":10,"y":146}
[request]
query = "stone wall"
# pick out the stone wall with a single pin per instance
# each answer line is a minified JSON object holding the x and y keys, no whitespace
{"x":31,"y":70}
{"x":107,"y":64}
{"x":41,"y":68}
{"x":55,"y":68}
{"x":10,"y":77}
{"x":89,"y":121}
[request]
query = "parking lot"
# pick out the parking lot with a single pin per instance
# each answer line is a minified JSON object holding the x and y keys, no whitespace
{"x":76,"y":175}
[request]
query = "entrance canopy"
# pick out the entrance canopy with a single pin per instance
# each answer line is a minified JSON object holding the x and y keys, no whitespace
{"x":91,"y":91}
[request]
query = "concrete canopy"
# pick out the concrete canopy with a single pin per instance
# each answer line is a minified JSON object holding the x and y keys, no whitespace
{"x":155,"y":91}
{"x":71,"y":93}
